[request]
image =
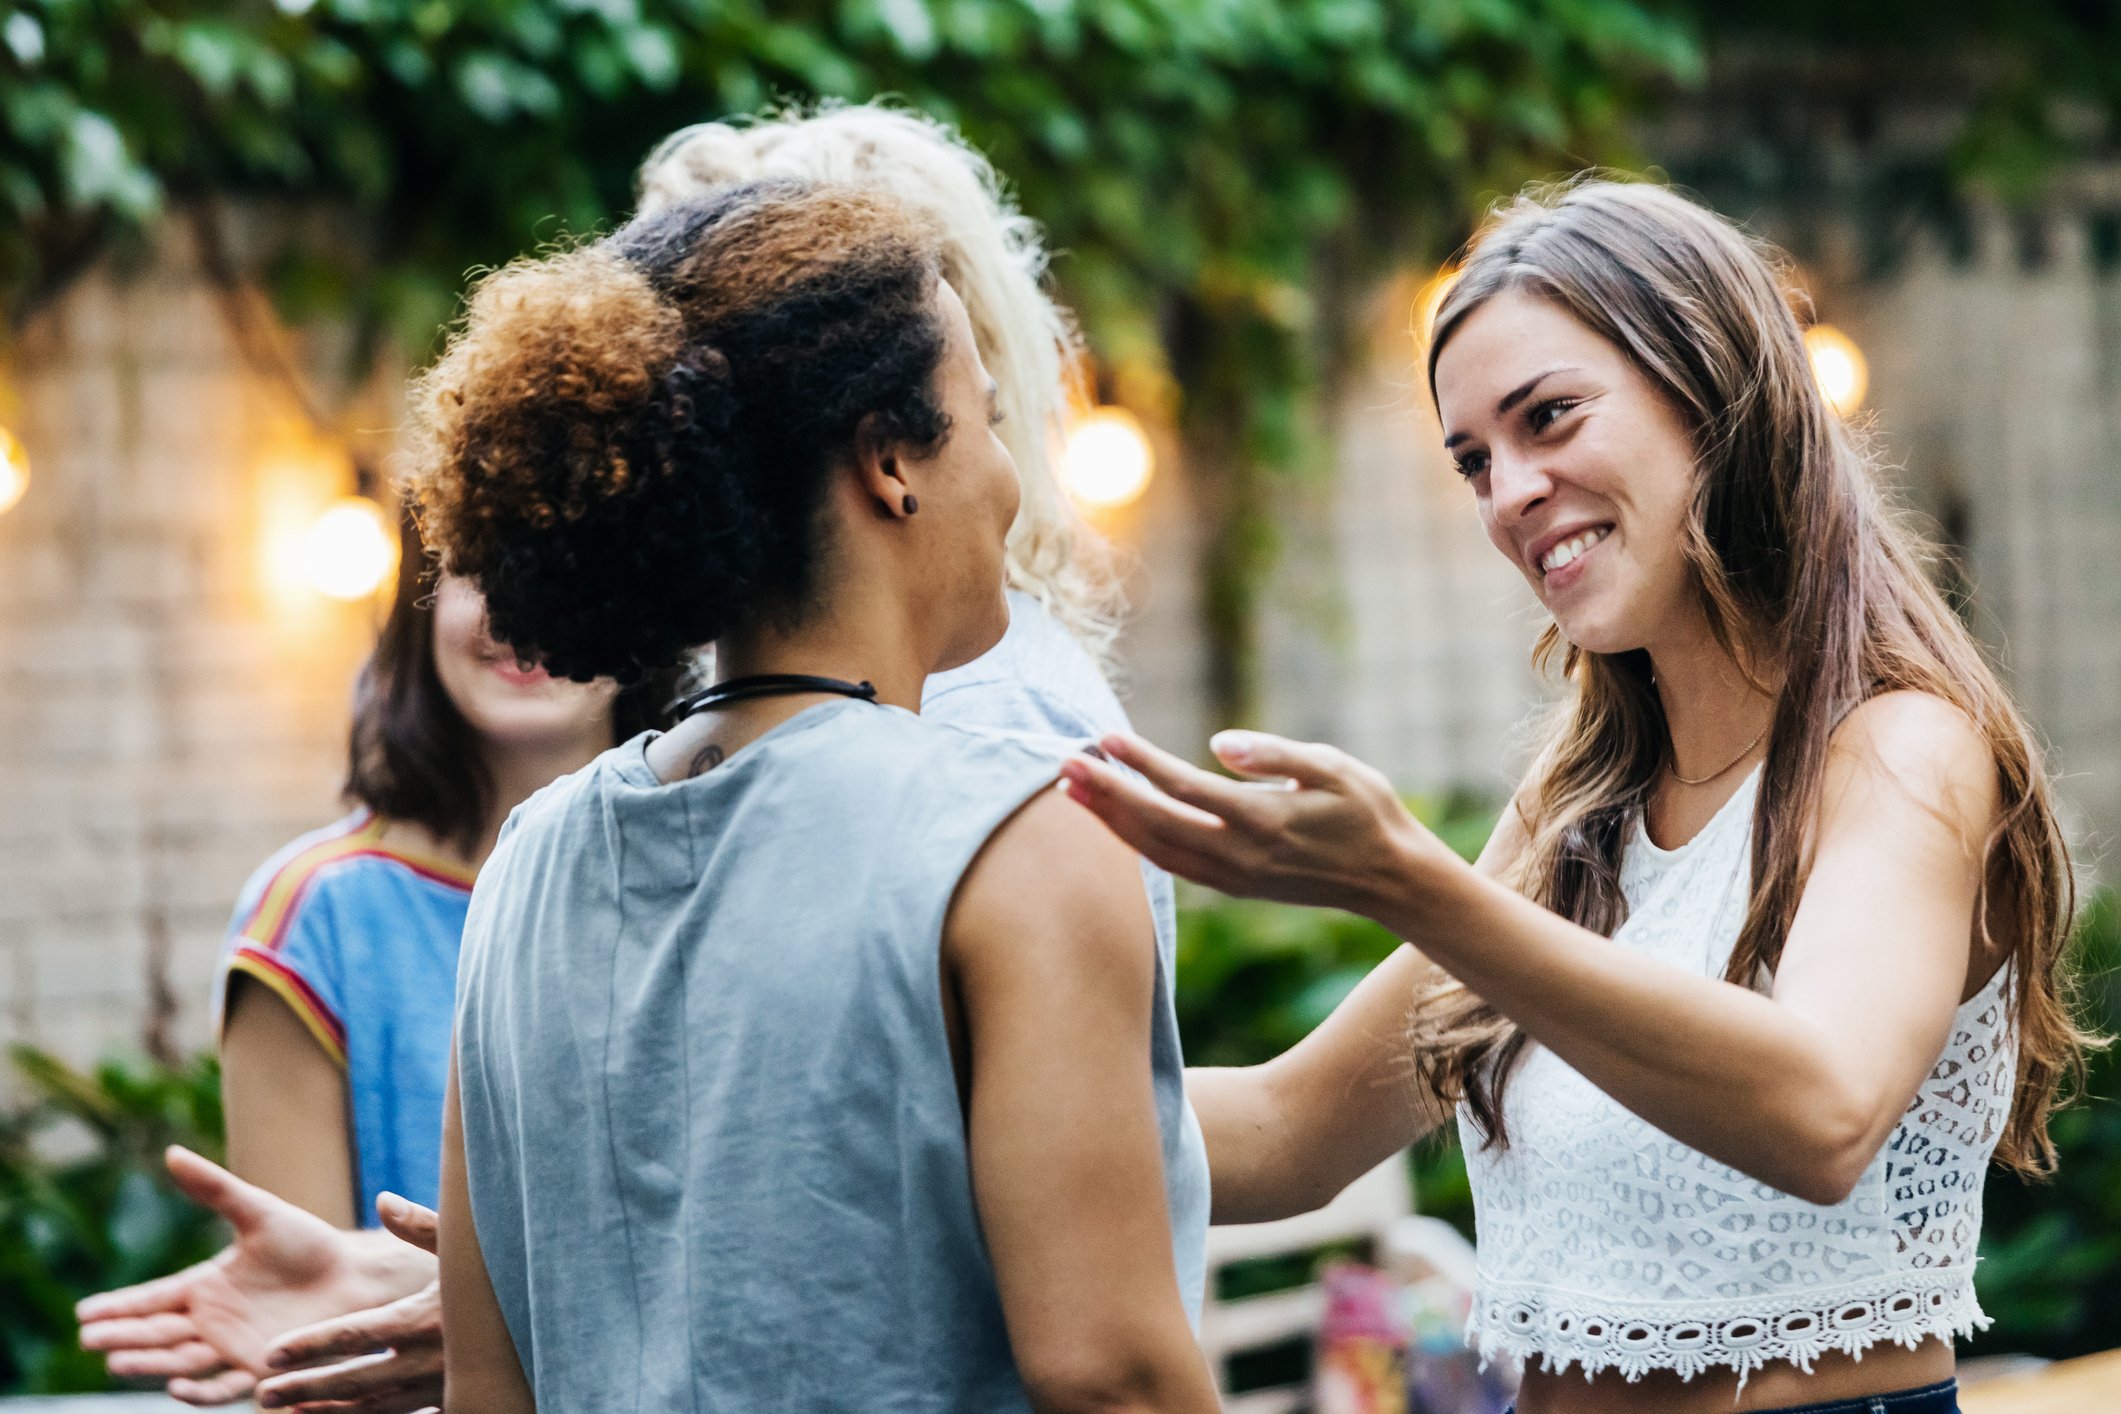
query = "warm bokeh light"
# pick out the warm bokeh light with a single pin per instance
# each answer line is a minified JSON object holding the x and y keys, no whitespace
{"x":1428,"y":300}
{"x":350,"y":551}
{"x":1838,"y":367}
{"x":1108,"y":461}
{"x":14,"y":470}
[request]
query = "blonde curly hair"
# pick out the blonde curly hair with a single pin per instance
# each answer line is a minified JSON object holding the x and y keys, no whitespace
{"x":992,"y":256}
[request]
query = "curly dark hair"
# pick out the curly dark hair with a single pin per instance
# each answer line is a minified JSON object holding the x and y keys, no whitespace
{"x":411,"y":755}
{"x":625,"y":445}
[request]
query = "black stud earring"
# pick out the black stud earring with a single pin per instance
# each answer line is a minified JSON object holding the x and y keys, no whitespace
{"x":910,"y":504}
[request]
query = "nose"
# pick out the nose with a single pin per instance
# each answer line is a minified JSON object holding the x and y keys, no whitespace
{"x":1517,"y":486}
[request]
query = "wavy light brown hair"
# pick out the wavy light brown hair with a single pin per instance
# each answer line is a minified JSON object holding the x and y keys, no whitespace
{"x":1804,"y":574}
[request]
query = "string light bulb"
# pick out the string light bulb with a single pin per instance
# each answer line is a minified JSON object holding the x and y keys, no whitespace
{"x":1838,"y":367}
{"x":350,"y":551}
{"x":14,"y":471}
{"x":1107,"y":462}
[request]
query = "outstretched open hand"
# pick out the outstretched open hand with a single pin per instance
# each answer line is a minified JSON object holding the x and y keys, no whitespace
{"x":1312,"y":825}
{"x":207,"y":1330}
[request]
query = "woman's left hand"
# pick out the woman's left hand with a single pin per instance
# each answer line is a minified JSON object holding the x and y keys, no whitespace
{"x":1312,"y":825}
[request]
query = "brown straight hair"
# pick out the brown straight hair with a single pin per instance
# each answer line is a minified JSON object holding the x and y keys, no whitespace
{"x":411,"y":755}
{"x":1803,"y":572}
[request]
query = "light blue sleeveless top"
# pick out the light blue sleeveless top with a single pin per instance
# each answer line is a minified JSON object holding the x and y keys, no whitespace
{"x":711,"y":1126}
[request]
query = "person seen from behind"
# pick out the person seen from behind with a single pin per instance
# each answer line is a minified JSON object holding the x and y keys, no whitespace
{"x":803,"y":1052}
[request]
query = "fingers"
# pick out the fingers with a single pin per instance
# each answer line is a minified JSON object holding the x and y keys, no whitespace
{"x":224,"y":1388}
{"x":191,"y":1359}
{"x":1170,"y":834}
{"x":139,"y":1333}
{"x":408,"y":1221}
{"x":412,"y":1321}
{"x":211,"y":1186}
{"x":1264,"y":754}
{"x":1218,"y":795}
{"x":395,"y":1380}
{"x":149,"y":1298}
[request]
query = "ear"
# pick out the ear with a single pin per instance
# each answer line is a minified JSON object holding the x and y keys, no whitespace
{"x":880,"y":469}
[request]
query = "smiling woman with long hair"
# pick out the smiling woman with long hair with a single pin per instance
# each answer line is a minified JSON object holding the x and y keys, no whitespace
{"x":1766,"y":958}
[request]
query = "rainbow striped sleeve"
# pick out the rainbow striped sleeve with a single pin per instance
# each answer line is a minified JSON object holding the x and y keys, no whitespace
{"x":260,"y":933}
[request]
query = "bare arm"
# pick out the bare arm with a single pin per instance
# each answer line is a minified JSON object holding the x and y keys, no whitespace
{"x":285,"y":1101}
{"x":1287,"y":1136}
{"x":1798,"y":1088}
{"x":480,"y":1371}
{"x":1050,"y":947}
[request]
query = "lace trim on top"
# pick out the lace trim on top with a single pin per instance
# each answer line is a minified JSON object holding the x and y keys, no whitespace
{"x":1527,"y":1322}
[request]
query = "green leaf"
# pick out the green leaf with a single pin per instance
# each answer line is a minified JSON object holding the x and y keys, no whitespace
{"x":653,"y":52}
{"x":497,"y":88}
{"x":911,"y":27}
{"x":24,"y":38}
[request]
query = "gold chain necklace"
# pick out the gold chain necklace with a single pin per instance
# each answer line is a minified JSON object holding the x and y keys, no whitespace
{"x":1672,"y":764}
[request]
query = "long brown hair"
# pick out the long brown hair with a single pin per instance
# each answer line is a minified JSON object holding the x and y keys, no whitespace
{"x":1802,"y":571}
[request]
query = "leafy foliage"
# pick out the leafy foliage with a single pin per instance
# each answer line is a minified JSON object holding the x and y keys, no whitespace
{"x":84,"y":1204}
{"x":1216,"y":171}
{"x":2043,"y":81}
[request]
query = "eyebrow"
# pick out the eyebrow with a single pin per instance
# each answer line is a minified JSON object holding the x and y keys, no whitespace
{"x":1512,"y":398}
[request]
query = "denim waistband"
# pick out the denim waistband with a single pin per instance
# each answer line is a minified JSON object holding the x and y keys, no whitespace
{"x":1940,"y":1398}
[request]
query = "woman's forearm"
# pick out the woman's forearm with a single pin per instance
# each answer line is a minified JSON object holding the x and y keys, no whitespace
{"x":1285,"y":1137}
{"x":1729,"y":1071}
{"x":1249,"y":1172}
{"x":1798,"y":1088}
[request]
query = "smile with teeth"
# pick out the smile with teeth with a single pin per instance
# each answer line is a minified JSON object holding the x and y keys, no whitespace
{"x":1571,"y":548}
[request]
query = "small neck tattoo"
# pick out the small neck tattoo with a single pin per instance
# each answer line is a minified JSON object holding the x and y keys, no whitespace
{"x":706,"y":759}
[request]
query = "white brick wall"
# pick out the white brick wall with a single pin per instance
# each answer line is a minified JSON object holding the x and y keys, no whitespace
{"x":166,"y":718}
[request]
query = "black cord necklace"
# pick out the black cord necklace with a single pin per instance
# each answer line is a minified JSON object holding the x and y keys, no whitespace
{"x":768,"y":685}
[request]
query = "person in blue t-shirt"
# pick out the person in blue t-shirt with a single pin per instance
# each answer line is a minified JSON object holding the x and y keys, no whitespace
{"x":332,"y":1005}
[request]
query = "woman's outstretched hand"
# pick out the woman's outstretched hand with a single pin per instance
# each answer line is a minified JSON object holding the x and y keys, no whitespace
{"x":207,"y":1329}
{"x":1311,"y":825}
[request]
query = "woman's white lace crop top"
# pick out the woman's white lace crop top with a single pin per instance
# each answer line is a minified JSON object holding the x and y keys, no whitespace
{"x":1607,"y":1244}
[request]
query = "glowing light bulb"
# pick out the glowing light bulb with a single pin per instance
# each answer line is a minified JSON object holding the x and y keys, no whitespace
{"x":350,"y":550}
{"x":1429,"y":300}
{"x":14,"y":470}
{"x":1107,"y":462}
{"x":1838,"y":367}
